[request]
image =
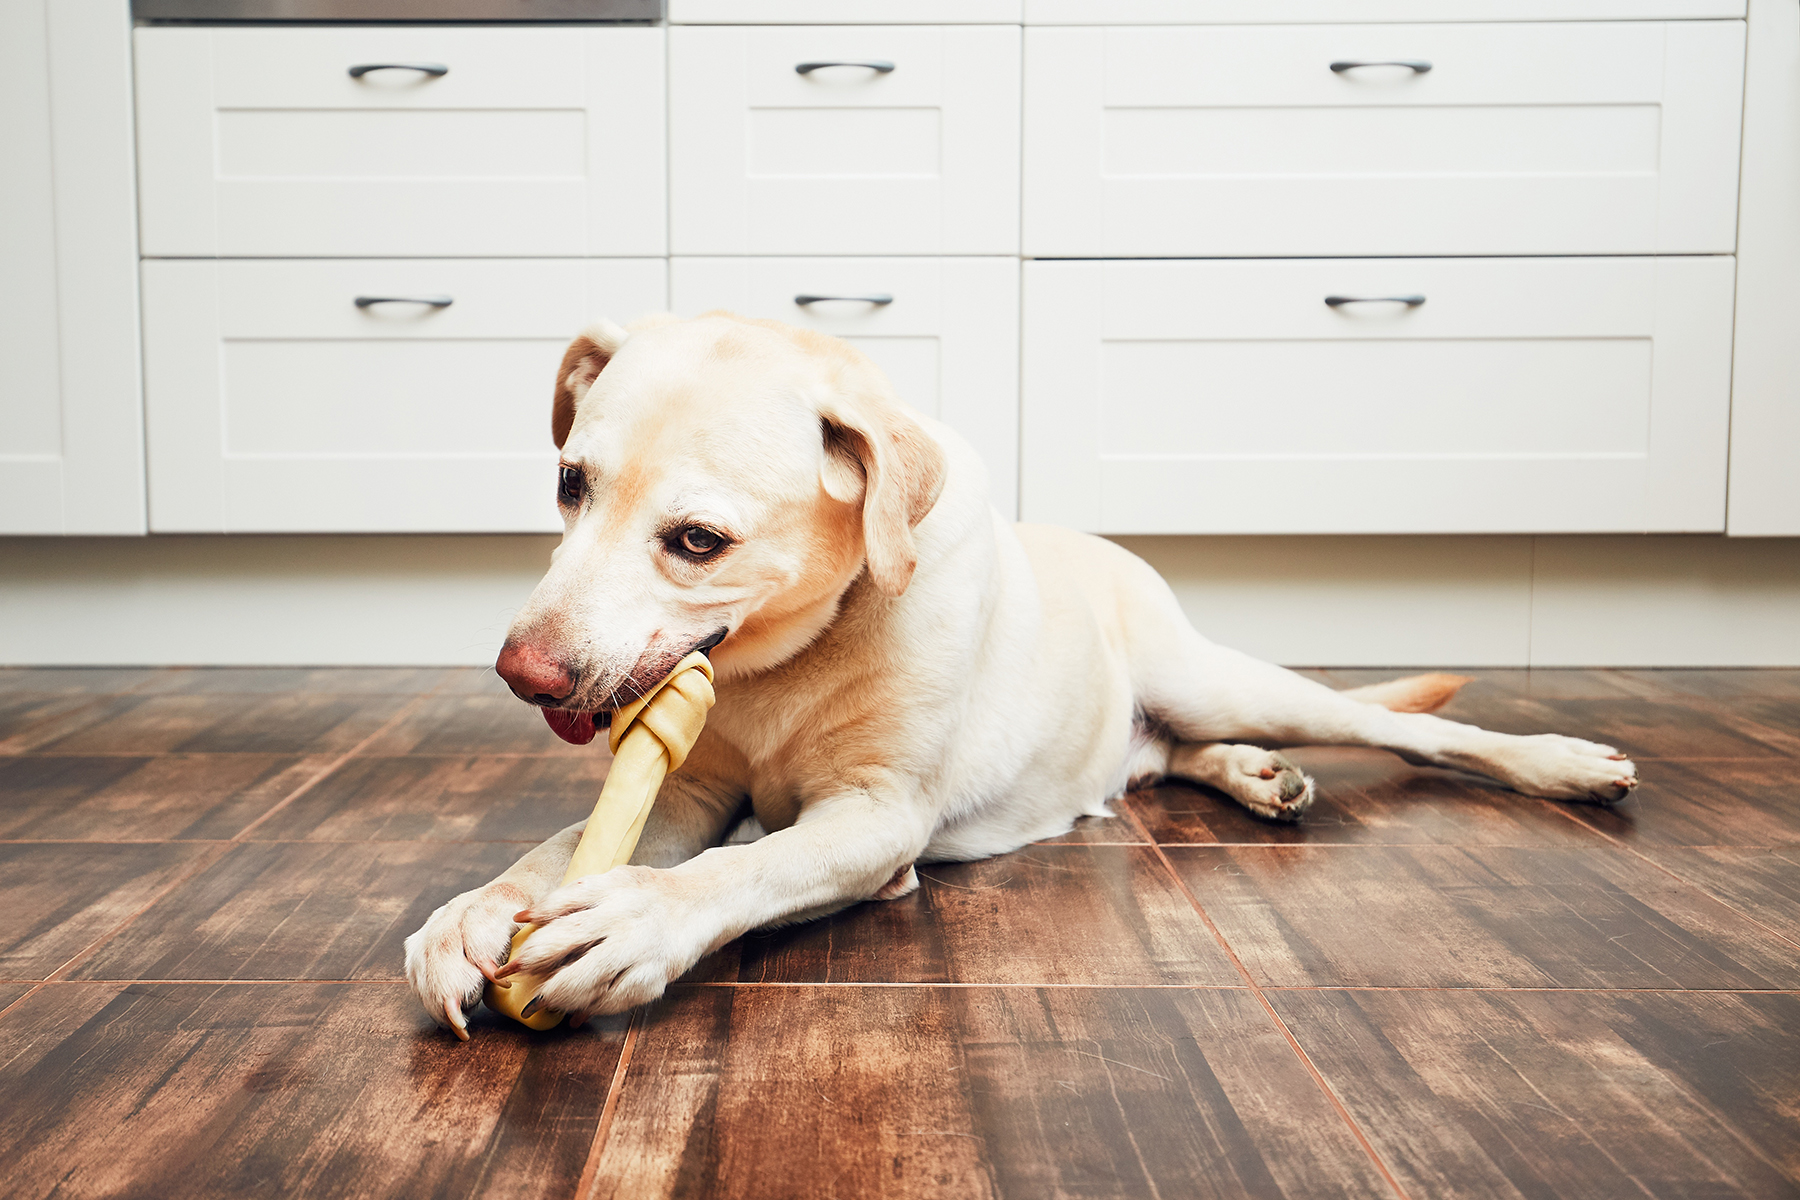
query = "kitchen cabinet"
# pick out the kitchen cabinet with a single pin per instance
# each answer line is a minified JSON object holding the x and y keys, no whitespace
{"x":849,"y":139}
{"x":71,"y":428}
{"x":365,"y":395}
{"x":1435,"y":395}
{"x":944,"y":330}
{"x":411,"y":140}
{"x":1322,"y":140}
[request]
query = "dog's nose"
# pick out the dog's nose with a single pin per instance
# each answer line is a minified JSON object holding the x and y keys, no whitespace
{"x":535,"y":675}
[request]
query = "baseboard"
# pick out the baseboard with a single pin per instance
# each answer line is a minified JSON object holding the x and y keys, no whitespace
{"x":1340,"y":601}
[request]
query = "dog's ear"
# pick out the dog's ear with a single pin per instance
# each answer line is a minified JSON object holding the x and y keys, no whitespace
{"x":876,"y":452}
{"x":586,"y":357}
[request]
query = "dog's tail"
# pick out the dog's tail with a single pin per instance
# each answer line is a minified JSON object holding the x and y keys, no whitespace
{"x":1414,"y":694}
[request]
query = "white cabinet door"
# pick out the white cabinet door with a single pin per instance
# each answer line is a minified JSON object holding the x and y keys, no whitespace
{"x":1567,"y":138}
{"x":1519,"y":396}
{"x":1765,"y":391}
{"x":258,"y":141}
{"x":916,"y":154}
{"x":947,"y":335}
{"x":277,"y":404}
{"x":71,"y":423}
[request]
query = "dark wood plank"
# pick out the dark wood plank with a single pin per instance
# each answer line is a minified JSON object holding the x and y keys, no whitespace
{"x":1043,"y":914}
{"x":1548,"y":1095}
{"x":1720,"y":803}
{"x":1431,"y":916}
{"x":1641,"y":728}
{"x":1363,"y":796}
{"x":22,"y":713}
{"x":77,"y":681}
{"x":1763,"y":883}
{"x":428,"y":798}
{"x":972,"y":1092}
{"x":168,"y":797}
{"x":298,"y":910}
{"x":60,"y":897}
{"x":1775,"y":683}
{"x":479,"y":723}
{"x":293,"y":1090}
{"x":392,"y":681}
{"x":279,"y":723}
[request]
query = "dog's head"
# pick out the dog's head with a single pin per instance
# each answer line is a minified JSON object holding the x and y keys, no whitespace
{"x":722,"y":484}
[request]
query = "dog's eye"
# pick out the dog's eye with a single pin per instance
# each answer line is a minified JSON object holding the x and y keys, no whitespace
{"x":697,"y":541}
{"x":570,"y":485}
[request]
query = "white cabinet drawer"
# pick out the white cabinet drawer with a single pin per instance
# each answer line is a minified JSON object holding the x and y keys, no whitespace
{"x":1522,"y":395}
{"x":1243,"y":12}
{"x":258,"y":142}
{"x":922,"y":158}
{"x":275,"y":404}
{"x":1569,"y":138}
{"x":948,"y":336}
{"x":843,"y":12}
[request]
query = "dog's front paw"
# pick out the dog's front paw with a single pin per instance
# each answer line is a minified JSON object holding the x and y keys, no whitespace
{"x":1566,"y":768}
{"x":609,"y":942}
{"x":458,"y":950}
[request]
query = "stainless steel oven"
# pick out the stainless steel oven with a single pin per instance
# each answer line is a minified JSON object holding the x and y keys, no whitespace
{"x":397,"y":10}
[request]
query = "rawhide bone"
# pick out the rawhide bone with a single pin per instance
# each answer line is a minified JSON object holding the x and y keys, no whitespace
{"x":650,"y":738}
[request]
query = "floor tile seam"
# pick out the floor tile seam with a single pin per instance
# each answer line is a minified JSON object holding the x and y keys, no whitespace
{"x":1457,"y":845}
{"x":1281,"y":1026}
{"x":1702,"y":889}
{"x":584,"y":1184}
{"x":201,"y":863}
{"x":698,"y":985}
{"x":22,"y":998}
{"x":404,"y":711}
{"x":232,"y":841}
{"x":958,"y":985}
{"x":121,"y":982}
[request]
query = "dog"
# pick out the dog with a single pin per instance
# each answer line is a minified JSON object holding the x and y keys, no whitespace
{"x":903,"y":675}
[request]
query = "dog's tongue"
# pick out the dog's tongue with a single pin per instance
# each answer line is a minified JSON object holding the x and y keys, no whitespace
{"x":575,"y":727}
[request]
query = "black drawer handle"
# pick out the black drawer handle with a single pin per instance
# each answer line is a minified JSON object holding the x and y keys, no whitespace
{"x":1409,"y":301}
{"x":434,"y":301}
{"x":432,"y":69}
{"x":876,"y":298}
{"x":877,"y":65}
{"x":1418,"y":65}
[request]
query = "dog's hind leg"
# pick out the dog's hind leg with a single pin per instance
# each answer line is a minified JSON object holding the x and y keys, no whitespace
{"x":1204,"y":693}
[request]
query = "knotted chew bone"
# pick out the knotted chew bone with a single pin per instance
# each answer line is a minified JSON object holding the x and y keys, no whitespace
{"x":650,"y":738}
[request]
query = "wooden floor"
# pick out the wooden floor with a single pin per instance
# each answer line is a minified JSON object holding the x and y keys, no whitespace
{"x":1430,"y":988}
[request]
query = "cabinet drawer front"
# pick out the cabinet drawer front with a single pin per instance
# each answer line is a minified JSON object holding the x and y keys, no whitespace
{"x":1570,"y":138}
{"x":259,"y":142}
{"x":919,"y":159}
{"x":1243,"y":12}
{"x":948,"y":337}
{"x":276,"y":404}
{"x":1526,"y":395}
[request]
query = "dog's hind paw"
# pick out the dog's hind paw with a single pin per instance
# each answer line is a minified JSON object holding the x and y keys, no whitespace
{"x":1275,"y":788}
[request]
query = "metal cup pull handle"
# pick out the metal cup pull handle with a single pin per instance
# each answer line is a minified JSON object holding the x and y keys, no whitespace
{"x":875,"y":298}
{"x":1340,"y":301}
{"x":877,"y":65}
{"x":1418,"y":66}
{"x":434,"y":301}
{"x":434,"y":70}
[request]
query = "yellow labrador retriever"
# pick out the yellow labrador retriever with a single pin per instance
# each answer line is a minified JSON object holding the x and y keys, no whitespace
{"x":903,"y":675}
